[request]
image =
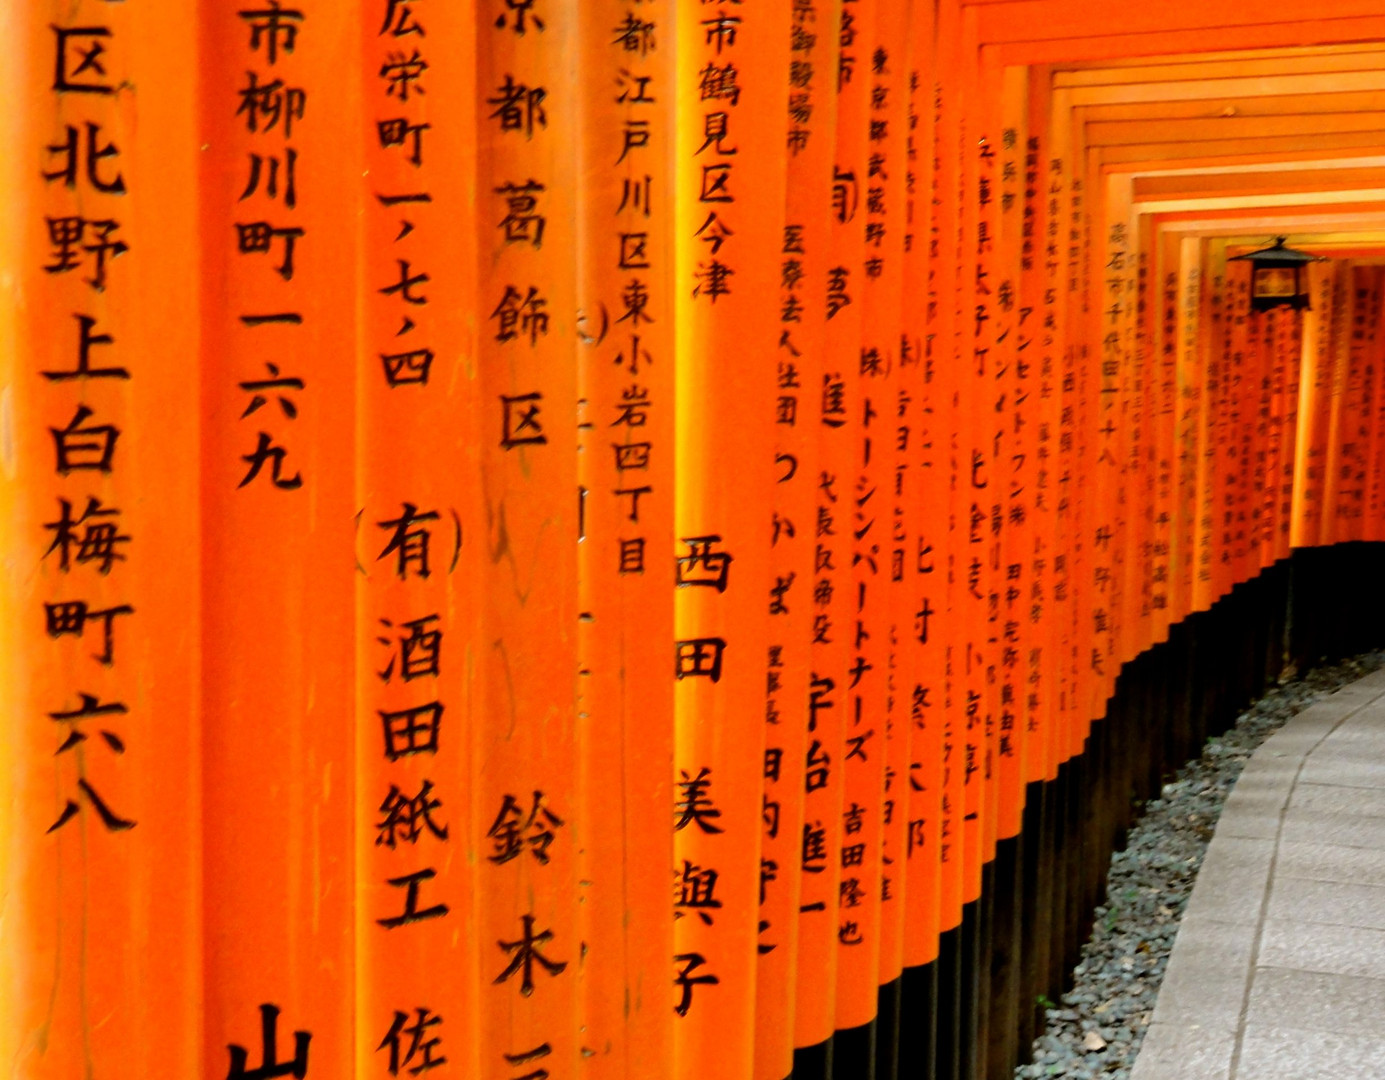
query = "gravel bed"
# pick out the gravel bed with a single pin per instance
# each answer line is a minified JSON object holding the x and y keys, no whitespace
{"x":1095,"y":1031}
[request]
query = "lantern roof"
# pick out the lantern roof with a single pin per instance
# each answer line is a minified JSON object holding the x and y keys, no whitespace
{"x":1278,"y":255}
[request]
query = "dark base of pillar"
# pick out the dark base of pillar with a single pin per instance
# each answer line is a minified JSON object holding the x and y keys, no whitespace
{"x":918,"y":1023}
{"x":949,"y":998}
{"x":853,"y":1053}
{"x":813,"y":1062}
{"x":887,"y":1030}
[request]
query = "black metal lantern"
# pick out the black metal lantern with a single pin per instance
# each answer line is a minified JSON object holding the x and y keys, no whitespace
{"x":1278,"y":277}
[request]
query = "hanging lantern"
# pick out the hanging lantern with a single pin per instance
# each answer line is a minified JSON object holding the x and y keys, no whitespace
{"x":1278,"y":277}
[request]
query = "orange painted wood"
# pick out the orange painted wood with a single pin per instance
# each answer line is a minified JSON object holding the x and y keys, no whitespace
{"x":1260,"y":447}
{"x":925,"y":486}
{"x":1220,"y":129}
{"x":1021,"y":48}
{"x":1229,"y":342}
{"x":1276,"y":424}
{"x":279,"y":513}
{"x":1161,"y":402}
{"x":1108,"y":531}
{"x":1222,"y":100}
{"x":1291,"y":338}
{"x":891,"y":398}
{"x":1230,"y":523}
{"x":1039,"y":293}
{"x":948,"y":340}
{"x":1192,"y":416}
{"x":414,"y":812}
{"x":1337,"y":378}
{"x":1206,"y":349}
{"x":523,"y":703}
{"x":1016,"y":407}
{"x":1219,"y":65}
{"x":824,"y":772}
{"x":729,"y":216}
{"x":1158,"y":426}
{"x":1253,"y":435}
{"x":1287,"y":358}
{"x":860,"y":484}
{"x":1230,"y":470}
{"x":991,"y":440}
{"x":1375,"y":483}
{"x":1167,"y":249}
{"x":800,"y":709}
{"x":971,"y":337}
{"x":1153,"y":621}
{"x":1027,"y":515}
{"x":1048,"y":20}
{"x":1357,"y":399}
{"x":1140,"y":454}
{"x":1062,"y":254}
{"x":1250,"y":183}
{"x":626,"y":357}
{"x":101,"y":919}
{"x":1315,"y":404}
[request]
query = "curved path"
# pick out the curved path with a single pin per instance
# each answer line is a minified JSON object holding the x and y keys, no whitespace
{"x":1278,"y":971}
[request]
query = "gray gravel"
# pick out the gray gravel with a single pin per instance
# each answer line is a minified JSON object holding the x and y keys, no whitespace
{"x":1095,"y":1031}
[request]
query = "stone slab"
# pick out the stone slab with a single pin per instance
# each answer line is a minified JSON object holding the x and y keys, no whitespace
{"x":1256,"y":826}
{"x":1176,"y":1052}
{"x":1330,"y":949}
{"x":1285,"y":1053}
{"x":1330,"y":862}
{"x":1336,"y":799}
{"x":1332,"y":903}
{"x":1374,"y":681}
{"x":1349,"y":830}
{"x":1350,"y":1005}
{"x":1233,"y":880}
{"x":1345,"y":771}
{"x":1367,"y":743}
{"x":1204,"y":985}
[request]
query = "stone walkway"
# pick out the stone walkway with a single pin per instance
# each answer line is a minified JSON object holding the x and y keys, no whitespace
{"x":1278,"y":972}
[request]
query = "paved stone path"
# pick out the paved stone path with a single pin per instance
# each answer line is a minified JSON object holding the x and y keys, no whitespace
{"x":1278,"y":971}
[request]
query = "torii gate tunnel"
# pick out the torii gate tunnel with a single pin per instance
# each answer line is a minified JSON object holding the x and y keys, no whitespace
{"x":632,"y":539}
